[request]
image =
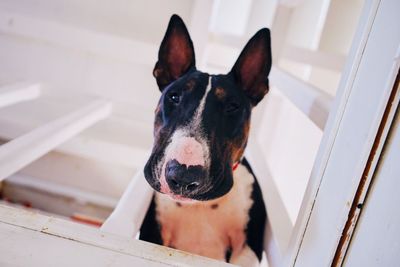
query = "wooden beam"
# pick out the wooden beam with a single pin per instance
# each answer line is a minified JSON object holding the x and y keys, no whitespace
{"x":315,"y":58}
{"x":18,"y":92}
{"x":310,"y":100}
{"x":88,"y":146}
{"x":83,"y":196}
{"x":362,"y":98}
{"x":21,"y":151}
{"x":64,"y":243}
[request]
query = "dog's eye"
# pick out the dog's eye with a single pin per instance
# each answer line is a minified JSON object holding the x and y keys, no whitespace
{"x":175,"y":98}
{"x":231,"y":107}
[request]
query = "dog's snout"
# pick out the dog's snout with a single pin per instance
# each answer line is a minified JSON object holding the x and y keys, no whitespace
{"x":183,"y":179}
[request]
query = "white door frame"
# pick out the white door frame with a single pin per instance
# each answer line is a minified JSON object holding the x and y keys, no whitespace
{"x":356,"y":115}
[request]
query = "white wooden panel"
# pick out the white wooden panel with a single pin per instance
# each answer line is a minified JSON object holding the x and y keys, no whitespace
{"x":376,"y":239}
{"x":287,"y":137}
{"x":18,"y":92}
{"x":77,"y":194}
{"x":369,"y":172}
{"x":49,"y":241}
{"x":19,"y":152}
{"x":315,"y":58}
{"x":278,"y":216}
{"x":312,"y":101}
{"x":53,"y":198}
{"x":349,"y":74}
{"x":363,"y":96}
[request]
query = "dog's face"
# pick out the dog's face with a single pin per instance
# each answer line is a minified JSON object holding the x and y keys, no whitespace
{"x":202,"y":121}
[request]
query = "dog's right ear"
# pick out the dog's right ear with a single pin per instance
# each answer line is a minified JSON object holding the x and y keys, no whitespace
{"x":176,"y":54}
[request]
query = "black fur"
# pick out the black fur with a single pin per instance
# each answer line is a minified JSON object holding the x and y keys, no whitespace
{"x":258,"y":216}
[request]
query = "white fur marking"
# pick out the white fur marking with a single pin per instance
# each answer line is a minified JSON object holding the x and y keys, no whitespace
{"x":198,"y":228}
{"x":200,"y":147}
{"x":195,"y":124}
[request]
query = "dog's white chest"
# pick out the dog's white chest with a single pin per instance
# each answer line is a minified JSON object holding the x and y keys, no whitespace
{"x":208,"y":228}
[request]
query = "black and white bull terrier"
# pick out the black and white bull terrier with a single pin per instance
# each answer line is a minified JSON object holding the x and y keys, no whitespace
{"x":207,"y":200}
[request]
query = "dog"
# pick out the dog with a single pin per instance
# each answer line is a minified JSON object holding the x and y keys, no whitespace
{"x":207,"y":200}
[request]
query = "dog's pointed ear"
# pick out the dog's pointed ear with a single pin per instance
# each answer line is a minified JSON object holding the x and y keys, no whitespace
{"x":253,"y":66}
{"x":176,"y":54}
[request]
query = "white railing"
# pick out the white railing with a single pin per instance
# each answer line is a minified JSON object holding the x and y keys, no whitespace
{"x":59,"y":242}
{"x":315,"y":58}
{"x":23,"y":150}
{"x":312,"y":101}
{"x":14,"y":93}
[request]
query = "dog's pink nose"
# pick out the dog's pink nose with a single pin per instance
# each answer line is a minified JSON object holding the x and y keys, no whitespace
{"x":187,"y":151}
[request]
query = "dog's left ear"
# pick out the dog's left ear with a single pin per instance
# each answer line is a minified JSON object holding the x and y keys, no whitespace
{"x":176,"y":54}
{"x":253,"y":66}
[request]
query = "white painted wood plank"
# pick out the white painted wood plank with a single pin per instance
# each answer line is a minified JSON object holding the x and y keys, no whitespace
{"x":373,"y":161}
{"x":315,"y":58}
{"x":93,"y":148}
{"x":331,"y":129}
{"x":19,"y":152}
{"x":92,"y":143}
{"x":18,"y":92}
{"x":40,"y":249}
{"x":376,"y":238}
{"x":51,"y":241}
{"x":362,"y":98}
{"x":53,"y":203}
{"x":313,"y":102}
{"x":82,"y":196}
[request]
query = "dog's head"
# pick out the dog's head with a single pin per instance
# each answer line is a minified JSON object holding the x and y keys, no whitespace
{"x":202,"y":121}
